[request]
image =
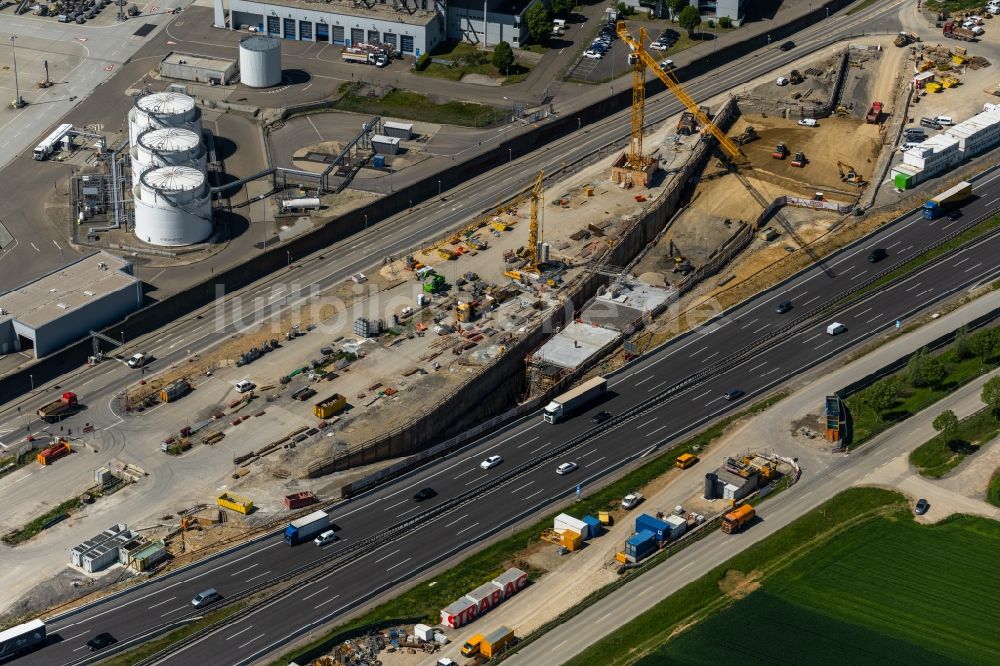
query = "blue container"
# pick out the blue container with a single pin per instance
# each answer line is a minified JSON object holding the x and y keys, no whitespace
{"x":593,"y":526}
{"x":660,"y":529}
{"x":378,"y":161}
{"x":640,"y":546}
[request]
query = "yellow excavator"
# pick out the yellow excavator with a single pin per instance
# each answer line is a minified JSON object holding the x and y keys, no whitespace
{"x":849,"y":174}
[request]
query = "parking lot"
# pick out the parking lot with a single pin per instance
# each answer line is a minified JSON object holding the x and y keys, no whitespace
{"x":613,"y":62}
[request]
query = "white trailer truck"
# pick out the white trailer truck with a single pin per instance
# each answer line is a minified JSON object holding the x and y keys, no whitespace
{"x":562,"y":406}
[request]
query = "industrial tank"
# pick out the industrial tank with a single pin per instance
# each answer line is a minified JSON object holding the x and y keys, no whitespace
{"x":173,"y":206}
{"x":260,"y":61}
{"x":162,"y":109}
{"x":167,"y":146}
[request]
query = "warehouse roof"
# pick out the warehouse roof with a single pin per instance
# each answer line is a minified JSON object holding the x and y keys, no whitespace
{"x":50,"y":297}
{"x":386,"y":12}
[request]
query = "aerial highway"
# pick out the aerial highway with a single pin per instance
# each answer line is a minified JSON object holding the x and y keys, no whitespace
{"x":332,"y":593}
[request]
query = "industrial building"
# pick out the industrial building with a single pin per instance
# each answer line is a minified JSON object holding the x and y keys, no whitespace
{"x":63,"y":306}
{"x":939,"y":153}
{"x":101,"y":551}
{"x":412,"y":27}
{"x":734,"y":9}
{"x":198,"y":68}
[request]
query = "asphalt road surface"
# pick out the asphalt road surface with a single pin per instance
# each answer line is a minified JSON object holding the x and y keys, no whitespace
{"x":329,"y":595}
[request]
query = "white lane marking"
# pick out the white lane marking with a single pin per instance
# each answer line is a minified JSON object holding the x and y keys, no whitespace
{"x":809,"y":301}
{"x":914,"y":286}
{"x":759,"y":365}
{"x":594,"y":462}
{"x":762,"y":328}
{"x":257,"y":576}
{"x":243,"y":571}
{"x":323,"y":603}
{"x":459,"y":519}
{"x":459,"y":476}
{"x":522,"y":487}
{"x":403,"y":562}
{"x":531,"y":495}
{"x":466,"y":529}
{"x":693,"y":354}
{"x":176,"y":610}
{"x":655,"y":387}
{"x":387,"y":556}
{"x":878,"y":316}
{"x":862,"y":312}
{"x":529,"y":441}
{"x":859,"y":275}
{"x":972,"y":268}
{"x":963,"y":259}
{"x":35,"y":247}
{"x":646,"y":423}
{"x":652,"y":432}
{"x":397,"y":504}
{"x":750,"y":323}
{"x":250,"y":641}
{"x":478,"y":479}
{"x":646,"y":380}
{"x":78,"y":635}
{"x":701,"y":395}
{"x":167,"y":601}
{"x":243,"y":631}
{"x":319,"y":591}
{"x":813,"y":337}
{"x":711,"y":355}
{"x":584,"y":455}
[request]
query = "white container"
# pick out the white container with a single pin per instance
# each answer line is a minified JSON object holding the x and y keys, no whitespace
{"x":167,"y":146}
{"x":173,"y":206}
{"x":260,"y":61}
{"x":423,"y":632}
{"x":163,"y":109}
{"x":564,"y":522}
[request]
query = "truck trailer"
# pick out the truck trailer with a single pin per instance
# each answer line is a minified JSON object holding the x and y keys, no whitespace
{"x":21,"y":639}
{"x":306,"y":527}
{"x":66,"y":405}
{"x":488,"y":645}
{"x":366,"y":58}
{"x":951,"y":198}
{"x":51,"y":142}
{"x":564,"y":405}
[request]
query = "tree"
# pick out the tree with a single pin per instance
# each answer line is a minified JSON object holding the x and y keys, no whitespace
{"x":689,"y":19}
{"x":503,"y":57}
{"x":962,"y":347}
{"x":880,"y":397}
{"x":623,"y":9}
{"x":676,"y":6}
{"x":991,"y":394}
{"x":945,"y":423}
{"x":924,"y":369}
{"x":984,"y":344}
{"x":539,"y":22}
{"x":563,"y":7}
{"x":725,"y":22}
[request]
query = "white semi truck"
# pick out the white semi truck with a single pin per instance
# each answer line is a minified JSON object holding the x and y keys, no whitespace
{"x":562,"y":406}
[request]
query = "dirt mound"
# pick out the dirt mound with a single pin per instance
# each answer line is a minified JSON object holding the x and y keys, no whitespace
{"x":738,"y":585}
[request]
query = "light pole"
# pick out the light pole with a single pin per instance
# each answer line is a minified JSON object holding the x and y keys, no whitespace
{"x":18,"y":102}
{"x":31,"y":378}
{"x":510,"y":155}
{"x":288,"y":253}
{"x":366,"y":219}
{"x":439,"y":187}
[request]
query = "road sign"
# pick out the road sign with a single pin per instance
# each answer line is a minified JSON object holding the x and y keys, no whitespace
{"x":578,"y":490}
{"x":898,"y":323}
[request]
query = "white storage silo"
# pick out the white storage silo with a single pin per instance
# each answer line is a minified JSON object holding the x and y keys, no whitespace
{"x":173,"y":206}
{"x":162,"y":109}
{"x":260,"y":61}
{"x":167,"y":146}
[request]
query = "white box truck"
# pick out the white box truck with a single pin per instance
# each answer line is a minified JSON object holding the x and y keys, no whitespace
{"x":564,"y":405}
{"x":306,"y":527}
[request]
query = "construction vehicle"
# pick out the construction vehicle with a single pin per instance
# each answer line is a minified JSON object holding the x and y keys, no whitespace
{"x":905,"y":39}
{"x":780,"y":152}
{"x":66,"y":405}
{"x":365,"y":57}
{"x":530,"y":252}
{"x":685,"y":460}
{"x":799,"y":160}
{"x":849,"y":174}
{"x":749,"y":134}
{"x":477,"y":242}
{"x":687,"y":126}
{"x":465,"y":312}
{"x":737,"y":519}
{"x":434,"y":283}
{"x":874,"y":115}
{"x":952,"y":30}
{"x":947,"y":200}
{"x":841,"y":111}
{"x":641,"y":60}
{"x":488,"y":645}
{"x":933,"y":87}
{"x":174,"y":391}
{"x":795,"y":77}
{"x":949,"y":81}
{"x":46,"y":82}
{"x":54,"y":452}
{"x":445,"y":253}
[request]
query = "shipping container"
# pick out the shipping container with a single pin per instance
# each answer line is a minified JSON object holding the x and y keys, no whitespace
{"x":593,"y":526}
{"x":459,"y":613}
{"x":640,"y":546}
{"x":677,"y":526}
{"x":566,"y":522}
{"x":571,"y":540}
{"x":299,"y":500}
{"x":659,"y":528}
{"x":235,"y":502}
{"x":326,"y":408}
{"x":175,"y":391}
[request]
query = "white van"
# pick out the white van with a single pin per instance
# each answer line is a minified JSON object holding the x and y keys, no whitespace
{"x":808,"y":122}
{"x":559,"y":23}
{"x":944,"y":120}
{"x":835,"y":328}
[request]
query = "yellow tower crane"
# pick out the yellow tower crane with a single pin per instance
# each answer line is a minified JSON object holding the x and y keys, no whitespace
{"x":638,"y":98}
{"x":533,"y":239}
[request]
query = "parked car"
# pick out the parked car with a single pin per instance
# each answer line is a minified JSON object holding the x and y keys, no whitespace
{"x":566,"y":468}
{"x":783,"y":307}
{"x":601,"y":417}
{"x":782,"y":81}
{"x":659,"y":46}
{"x":490,"y":462}
{"x":326,"y":537}
{"x":733,"y":394}
{"x":592,"y":54}
{"x":101,"y":641}
{"x":244,"y":385}
{"x":877,"y":255}
{"x":921,"y":507}
{"x":424,"y":494}
{"x":808,"y":122}
{"x":667,"y":64}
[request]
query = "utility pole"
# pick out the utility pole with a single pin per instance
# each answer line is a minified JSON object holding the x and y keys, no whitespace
{"x":18,"y":101}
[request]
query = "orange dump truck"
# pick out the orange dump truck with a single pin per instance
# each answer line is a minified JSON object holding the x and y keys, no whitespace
{"x":736,"y":519}
{"x":53,"y":453}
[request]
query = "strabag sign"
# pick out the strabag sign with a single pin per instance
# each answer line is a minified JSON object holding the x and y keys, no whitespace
{"x":483,"y":598}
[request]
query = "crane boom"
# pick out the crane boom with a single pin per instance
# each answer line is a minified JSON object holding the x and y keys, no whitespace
{"x":727,"y":144}
{"x":638,"y":107}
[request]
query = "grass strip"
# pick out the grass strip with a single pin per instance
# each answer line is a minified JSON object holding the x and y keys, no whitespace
{"x":705,"y":595}
{"x":42,"y":522}
{"x":939,"y":455}
{"x":414,"y":106}
{"x":424,"y":602}
{"x":147,"y":650}
{"x":993,"y":490}
{"x":865,"y":3}
{"x":967,"y":236}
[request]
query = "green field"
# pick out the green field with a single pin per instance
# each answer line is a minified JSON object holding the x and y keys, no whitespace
{"x":875,"y":589}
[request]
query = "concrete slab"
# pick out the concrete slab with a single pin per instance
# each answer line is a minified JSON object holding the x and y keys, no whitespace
{"x":575,"y":344}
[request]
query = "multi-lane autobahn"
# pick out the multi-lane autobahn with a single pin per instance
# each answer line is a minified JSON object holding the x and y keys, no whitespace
{"x":329,"y":594}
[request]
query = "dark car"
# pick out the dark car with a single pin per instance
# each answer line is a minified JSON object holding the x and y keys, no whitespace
{"x":921,"y":507}
{"x":733,"y":394}
{"x":878,"y":254}
{"x":101,"y":641}
{"x":783,"y":307}
{"x":787,"y":46}
{"x":424,"y":494}
{"x":601,"y":417}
